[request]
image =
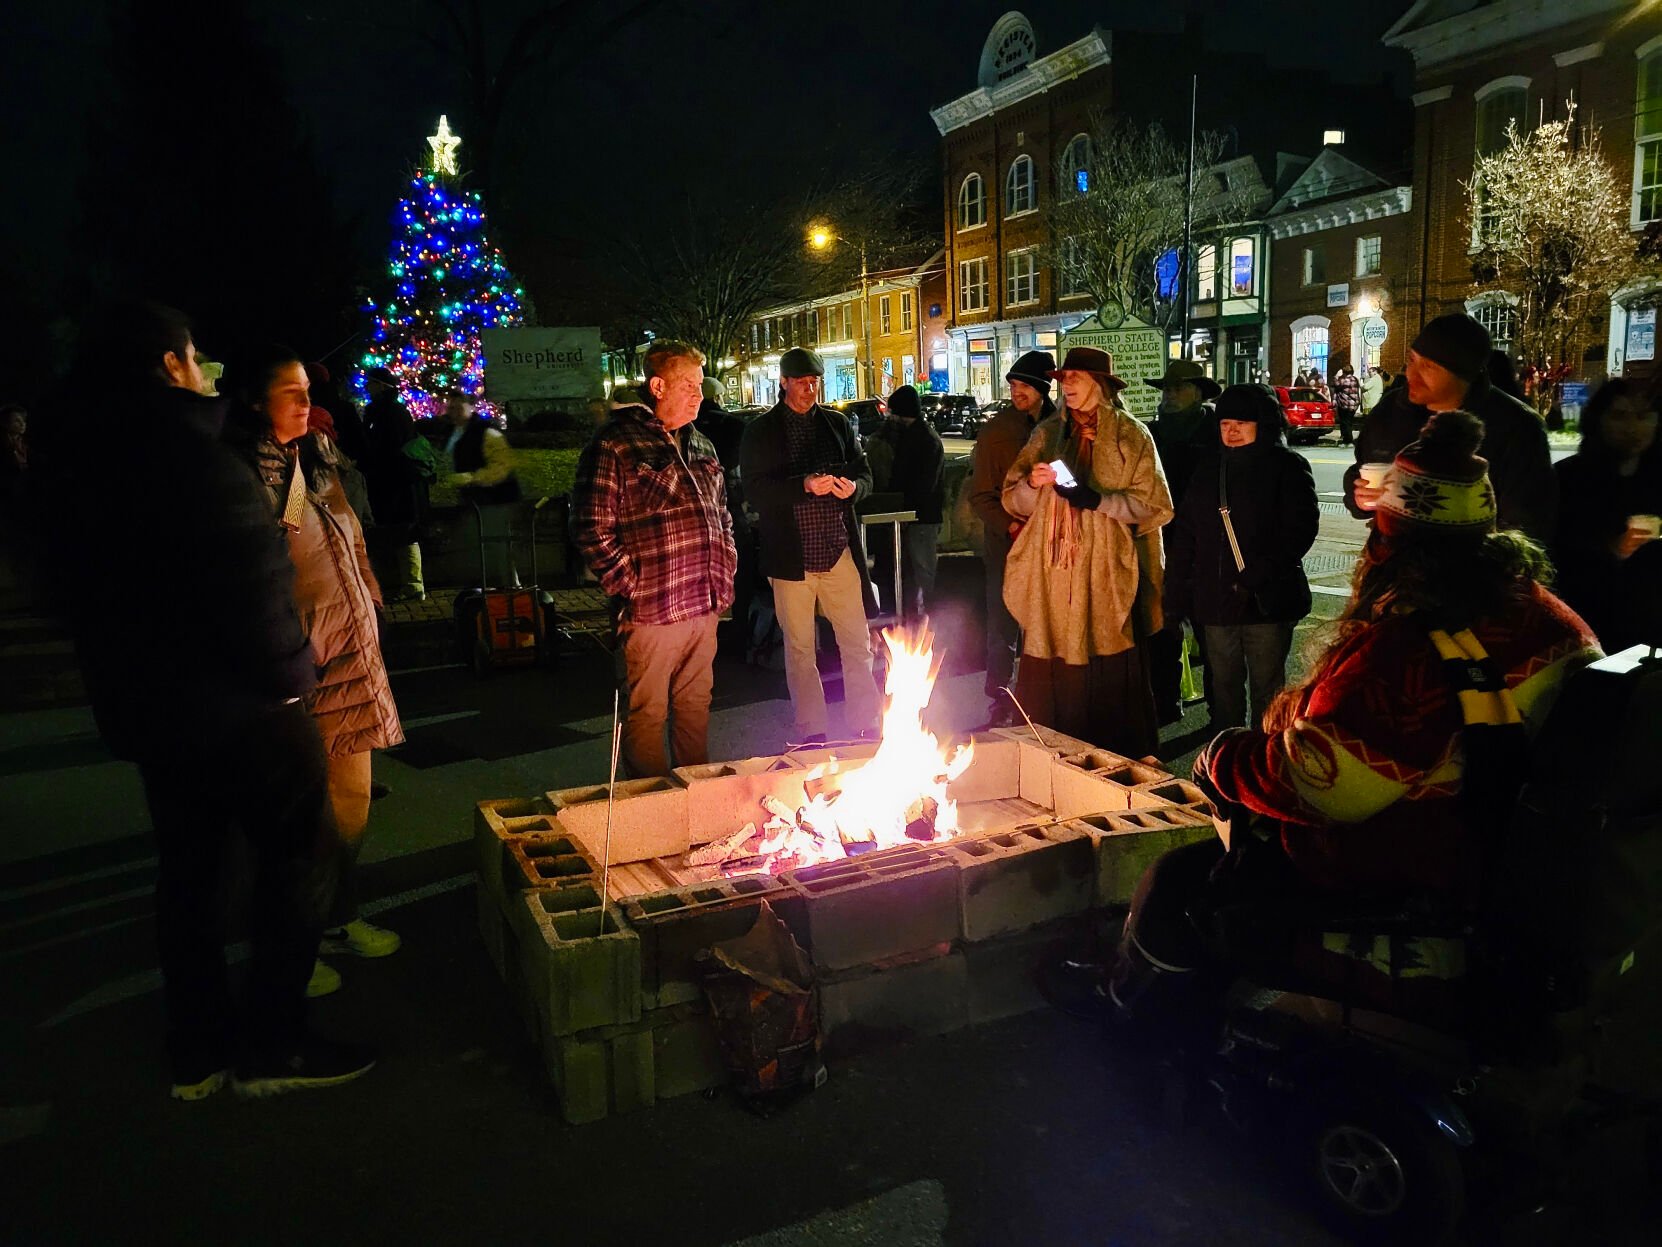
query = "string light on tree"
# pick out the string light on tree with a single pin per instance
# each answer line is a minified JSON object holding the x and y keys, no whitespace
{"x":445,"y":283}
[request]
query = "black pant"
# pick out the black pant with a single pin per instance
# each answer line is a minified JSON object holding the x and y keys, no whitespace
{"x":269,"y":779}
{"x":1347,"y":422}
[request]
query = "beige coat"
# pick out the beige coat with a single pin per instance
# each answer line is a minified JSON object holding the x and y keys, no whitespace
{"x":1086,"y":584}
{"x":336,"y":594}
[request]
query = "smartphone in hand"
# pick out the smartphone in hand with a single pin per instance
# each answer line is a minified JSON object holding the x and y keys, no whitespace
{"x":1064,"y":477}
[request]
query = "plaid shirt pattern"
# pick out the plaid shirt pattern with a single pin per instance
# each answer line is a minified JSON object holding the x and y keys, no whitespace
{"x":819,"y":520}
{"x":1347,"y":392}
{"x":649,"y":514}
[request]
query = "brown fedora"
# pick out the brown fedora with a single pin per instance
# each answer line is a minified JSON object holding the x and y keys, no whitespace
{"x":1097,"y":363}
{"x":1181,"y":370}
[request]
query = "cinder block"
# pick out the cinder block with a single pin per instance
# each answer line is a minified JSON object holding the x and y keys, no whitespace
{"x":1003,"y":973}
{"x":1080,"y":784}
{"x":649,"y":818}
{"x":544,"y":859}
{"x":1020,"y":879}
{"x":723,"y":796}
{"x":633,"y":1081}
{"x":836,"y":759}
{"x":675,"y":926}
{"x":1035,"y":767}
{"x":582,"y":966}
{"x":1127,"y":844}
{"x":579,"y":1070}
{"x":686,"y":1054}
{"x":878,"y":906}
{"x":1047,"y":738}
{"x":493,"y":928}
{"x":994,"y":773}
{"x":495,"y":822}
{"x":1173,"y":791}
{"x":878,"y":1006}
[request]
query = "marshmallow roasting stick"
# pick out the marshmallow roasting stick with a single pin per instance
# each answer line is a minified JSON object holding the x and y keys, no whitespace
{"x":611,"y":799}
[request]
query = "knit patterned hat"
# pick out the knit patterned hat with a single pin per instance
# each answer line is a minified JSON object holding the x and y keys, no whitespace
{"x":1439,"y":485}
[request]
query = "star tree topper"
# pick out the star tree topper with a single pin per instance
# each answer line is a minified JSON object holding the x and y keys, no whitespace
{"x":444,"y":145}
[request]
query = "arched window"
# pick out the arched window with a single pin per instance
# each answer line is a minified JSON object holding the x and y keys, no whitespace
{"x":1310,"y":345}
{"x":1647,"y":135}
{"x":1500,"y":103}
{"x":1498,"y":313}
{"x":972,"y":202}
{"x":1076,"y":165}
{"x":1020,"y":192}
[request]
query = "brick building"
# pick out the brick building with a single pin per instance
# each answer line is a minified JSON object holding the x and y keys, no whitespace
{"x":1482,"y":63}
{"x":897,"y":312}
{"x":1007,"y":149}
{"x":1339,"y":271}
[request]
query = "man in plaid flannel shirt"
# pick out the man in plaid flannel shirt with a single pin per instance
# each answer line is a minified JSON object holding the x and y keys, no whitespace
{"x":649,"y":514}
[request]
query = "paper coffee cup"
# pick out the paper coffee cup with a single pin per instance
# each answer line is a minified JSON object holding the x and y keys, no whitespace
{"x":1650,"y":525}
{"x":1373,"y":474}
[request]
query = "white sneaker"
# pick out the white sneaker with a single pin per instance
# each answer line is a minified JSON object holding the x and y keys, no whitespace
{"x":361,"y":939}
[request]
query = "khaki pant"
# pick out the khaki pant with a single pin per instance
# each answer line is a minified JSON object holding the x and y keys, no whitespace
{"x":669,"y":673}
{"x":349,"y":796}
{"x":838,"y":596}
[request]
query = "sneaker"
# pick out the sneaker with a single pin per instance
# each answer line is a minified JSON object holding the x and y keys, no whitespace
{"x":325,"y":979}
{"x":361,"y":939}
{"x":317,"y":1063}
{"x":198,"y":1088}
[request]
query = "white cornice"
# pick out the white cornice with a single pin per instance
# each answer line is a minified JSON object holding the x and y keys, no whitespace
{"x":1077,"y":58}
{"x":1489,"y":26}
{"x":1396,"y":201}
{"x":1436,"y":95}
{"x":1574,"y":56}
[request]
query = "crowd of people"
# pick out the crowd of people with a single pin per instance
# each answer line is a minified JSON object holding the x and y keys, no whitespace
{"x":1113,"y":548}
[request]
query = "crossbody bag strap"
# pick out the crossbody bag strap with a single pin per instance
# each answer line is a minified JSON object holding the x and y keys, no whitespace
{"x":1223,"y":510}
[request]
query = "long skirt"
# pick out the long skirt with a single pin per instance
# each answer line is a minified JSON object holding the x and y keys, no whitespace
{"x":1107,"y":701}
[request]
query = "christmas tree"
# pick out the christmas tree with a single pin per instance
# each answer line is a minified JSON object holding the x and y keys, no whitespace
{"x":448,"y":284}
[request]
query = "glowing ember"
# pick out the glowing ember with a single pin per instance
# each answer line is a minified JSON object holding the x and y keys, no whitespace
{"x":898,"y":797}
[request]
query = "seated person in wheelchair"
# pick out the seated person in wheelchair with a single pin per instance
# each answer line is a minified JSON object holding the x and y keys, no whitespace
{"x":1382,"y":774}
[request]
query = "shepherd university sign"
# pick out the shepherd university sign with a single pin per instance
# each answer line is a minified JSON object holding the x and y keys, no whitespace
{"x":542,"y":363}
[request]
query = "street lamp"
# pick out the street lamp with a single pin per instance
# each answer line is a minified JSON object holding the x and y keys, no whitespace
{"x":820,"y":237}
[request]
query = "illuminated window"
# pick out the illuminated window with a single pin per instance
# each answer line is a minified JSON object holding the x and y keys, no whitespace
{"x":1242,"y":266}
{"x":1206,"y":275}
{"x":1076,"y":166}
{"x":972,"y":202}
{"x":1500,"y":318}
{"x":905,"y":310}
{"x":1647,"y":140}
{"x":883,"y":325}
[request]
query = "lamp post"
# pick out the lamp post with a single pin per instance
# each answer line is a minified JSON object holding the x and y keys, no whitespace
{"x":821,"y":237}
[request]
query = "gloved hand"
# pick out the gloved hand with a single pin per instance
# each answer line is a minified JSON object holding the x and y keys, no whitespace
{"x":1202,"y":771}
{"x":1081,"y":496}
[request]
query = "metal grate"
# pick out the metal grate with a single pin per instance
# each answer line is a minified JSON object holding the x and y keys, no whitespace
{"x":1319,"y":563}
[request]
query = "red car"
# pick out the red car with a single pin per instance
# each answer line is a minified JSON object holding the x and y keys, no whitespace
{"x":1308,"y":414}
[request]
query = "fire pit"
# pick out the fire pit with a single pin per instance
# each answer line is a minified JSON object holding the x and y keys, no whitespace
{"x":923,"y":879}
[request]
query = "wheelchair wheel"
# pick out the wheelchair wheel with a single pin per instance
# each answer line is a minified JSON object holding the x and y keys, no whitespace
{"x":1385,"y":1175}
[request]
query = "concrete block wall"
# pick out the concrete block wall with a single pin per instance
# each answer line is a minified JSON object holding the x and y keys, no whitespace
{"x":723,"y":796}
{"x":1127,"y":844}
{"x":867,"y":909}
{"x":676,"y":925}
{"x":1015,"y":880}
{"x":496,"y":822}
{"x":581,"y":966}
{"x":873,"y":1006}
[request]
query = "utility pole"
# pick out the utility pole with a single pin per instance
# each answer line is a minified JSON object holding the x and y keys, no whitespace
{"x":1188,"y":216}
{"x":865,"y":320}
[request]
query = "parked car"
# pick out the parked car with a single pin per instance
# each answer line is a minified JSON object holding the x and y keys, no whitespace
{"x":1308,"y":414}
{"x":866,"y":414}
{"x":950,"y":413}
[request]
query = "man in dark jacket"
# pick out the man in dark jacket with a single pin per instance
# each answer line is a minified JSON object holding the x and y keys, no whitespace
{"x":397,"y":488}
{"x":804,"y":473}
{"x":920,"y":478}
{"x":1446,"y":371}
{"x":1246,"y":607}
{"x":1185,"y":432}
{"x":198,"y":678}
{"x":1347,"y":398}
{"x":1001,"y":439}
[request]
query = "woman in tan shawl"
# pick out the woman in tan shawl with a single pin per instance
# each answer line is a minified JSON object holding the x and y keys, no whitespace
{"x":1083,"y":578}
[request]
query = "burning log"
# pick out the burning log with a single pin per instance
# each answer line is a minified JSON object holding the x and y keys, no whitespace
{"x":920,"y":818}
{"x":718,"y":851}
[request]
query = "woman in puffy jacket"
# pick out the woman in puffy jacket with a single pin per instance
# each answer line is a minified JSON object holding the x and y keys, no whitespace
{"x":1244,"y":598}
{"x":337,"y":597}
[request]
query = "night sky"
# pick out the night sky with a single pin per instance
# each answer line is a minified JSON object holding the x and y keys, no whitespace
{"x":713,"y":103}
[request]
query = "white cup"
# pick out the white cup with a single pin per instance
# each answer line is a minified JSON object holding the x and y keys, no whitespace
{"x":1373,"y":474}
{"x":1650,"y":525}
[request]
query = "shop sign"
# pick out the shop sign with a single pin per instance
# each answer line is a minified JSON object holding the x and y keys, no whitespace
{"x":1339,"y":295}
{"x":542,"y":363}
{"x":1374,"y":332}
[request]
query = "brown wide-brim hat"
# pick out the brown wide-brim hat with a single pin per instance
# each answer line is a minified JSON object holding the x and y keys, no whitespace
{"x":1089,"y":359}
{"x":1181,"y":370}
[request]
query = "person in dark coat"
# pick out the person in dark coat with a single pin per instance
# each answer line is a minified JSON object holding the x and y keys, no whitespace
{"x":1185,"y":431}
{"x":397,"y":485}
{"x":1610,"y":497}
{"x":725,"y":431}
{"x":920,"y":478}
{"x":199,"y":678}
{"x":1447,"y":371}
{"x":1246,"y":609}
{"x":1001,"y":439}
{"x":804,"y":473}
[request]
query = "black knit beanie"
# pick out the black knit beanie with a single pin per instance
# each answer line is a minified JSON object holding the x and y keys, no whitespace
{"x":1458,"y":343}
{"x":904,"y":405}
